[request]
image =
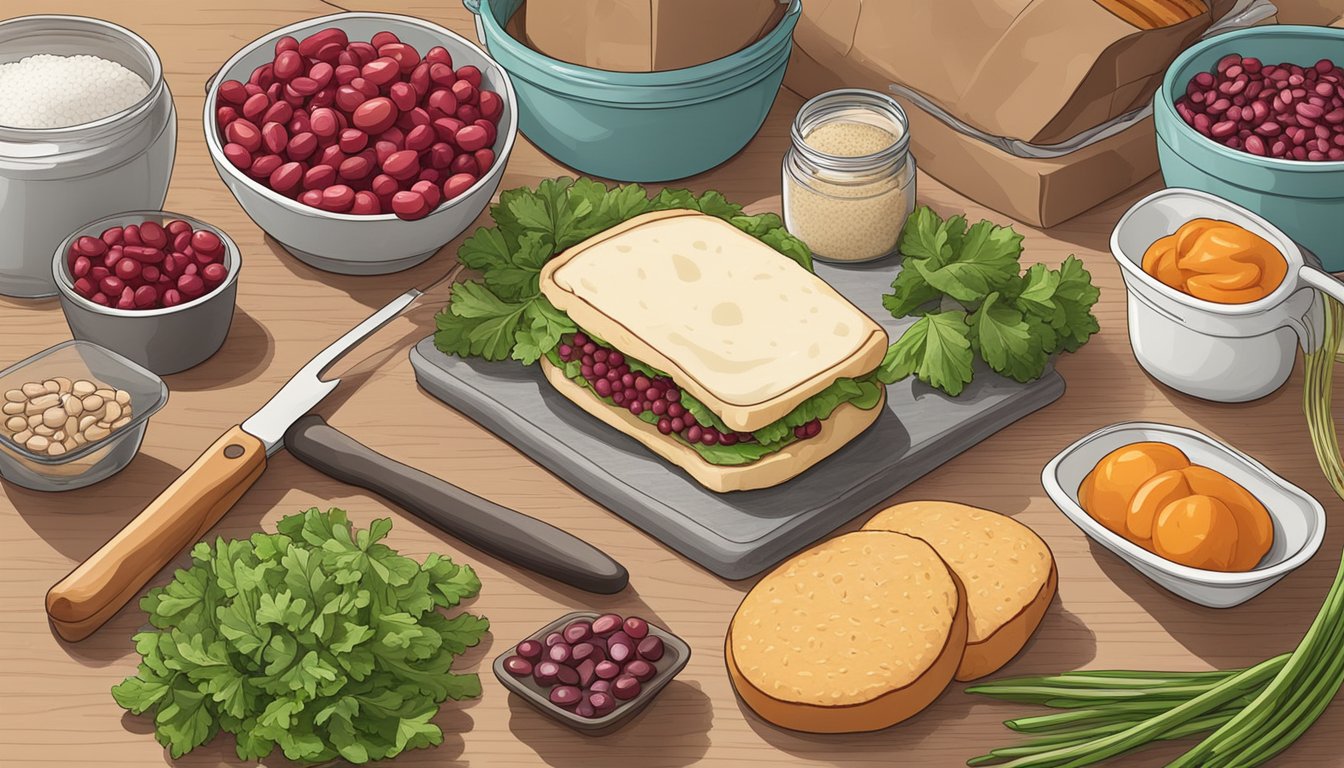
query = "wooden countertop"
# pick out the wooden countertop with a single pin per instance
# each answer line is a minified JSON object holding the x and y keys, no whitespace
{"x":55,"y":709}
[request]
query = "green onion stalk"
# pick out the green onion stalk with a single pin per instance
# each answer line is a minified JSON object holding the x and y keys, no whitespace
{"x":1246,"y":716}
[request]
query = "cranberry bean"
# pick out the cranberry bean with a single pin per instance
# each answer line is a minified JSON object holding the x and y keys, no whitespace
{"x":635,"y":627}
{"x":315,"y":43}
{"x":442,"y":102}
{"x":366,"y":204}
{"x":319,"y":177}
{"x":375,"y":115}
{"x":337,"y":198}
{"x":419,"y":78}
{"x":92,"y":246}
{"x":403,"y":95}
{"x":405,"y":56}
{"x":518,"y":666}
{"x":256,"y":106}
{"x":287,"y":179}
{"x":410,"y":205}
{"x":429,"y":190}
{"x":355,"y":168}
{"x":465,"y":164}
{"x":143,"y":253}
{"x":441,"y":155}
{"x":420,"y":138}
{"x":455,"y":185}
{"x":384,"y":185}
{"x":485,"y":158}
{"x":492,"y":105}
{"x":348,"y":98}
{"x":439,"y":55}
{"x":274,"y":137}
{"x":380,"y":39}
{"x":468,"y":113}
{"x":302,"y":146}
{"x":224,"y":116}
{"x":279,"y":112}
{"x":245,"y":134}
{"x":446,"y":128}
{"x":471,"y":74}
{"x":127,"y":269}
{"x":464,"y":91}
{"x":473,"y":137}
{"x":353,"y":141}
{"x":325,"y":124}
{"x":566,"y":696}
{"x":265,"y":165}
{"x":233,"y":92}
{"x":402,"y":165}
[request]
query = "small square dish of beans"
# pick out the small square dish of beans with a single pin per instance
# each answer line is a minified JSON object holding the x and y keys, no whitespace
{"x":593,"y":671}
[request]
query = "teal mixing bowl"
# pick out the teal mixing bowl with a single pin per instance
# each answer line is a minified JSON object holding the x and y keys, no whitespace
{"x":639,"y":126}
{"x":1305,"y":199}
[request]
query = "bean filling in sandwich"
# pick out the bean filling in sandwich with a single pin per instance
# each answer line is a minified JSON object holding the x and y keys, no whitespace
{"x":714,"y":350}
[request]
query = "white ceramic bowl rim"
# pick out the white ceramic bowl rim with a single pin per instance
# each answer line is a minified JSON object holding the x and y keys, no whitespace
{"x":298,"y":29}
{"x":1134,"y":269}
{"x":60,"y":270}
{"x":1049,"y":477}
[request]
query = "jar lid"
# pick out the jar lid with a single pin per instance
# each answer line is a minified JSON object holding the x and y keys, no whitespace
{"x":853,"y":105}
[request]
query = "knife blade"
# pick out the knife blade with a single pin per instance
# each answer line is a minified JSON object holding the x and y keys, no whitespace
{"x":497,"y":530}
{"x":97,"y":588}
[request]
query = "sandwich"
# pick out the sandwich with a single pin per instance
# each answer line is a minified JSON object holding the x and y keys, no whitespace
{"x":715,"y":351}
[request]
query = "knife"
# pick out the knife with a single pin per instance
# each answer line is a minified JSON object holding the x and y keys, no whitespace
{"x":509,"y":535}
{"x":97,"y":588}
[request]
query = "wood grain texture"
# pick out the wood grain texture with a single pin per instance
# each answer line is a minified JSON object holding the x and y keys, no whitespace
{"x":111,"y":577}
{"x":55,"y":709}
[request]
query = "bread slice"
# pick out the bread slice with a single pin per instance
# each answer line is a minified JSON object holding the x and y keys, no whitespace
{"x":1008,"y":571}
{"x":734,"y":322}
{"x":844,"y":425}
{"x":855,"y":634}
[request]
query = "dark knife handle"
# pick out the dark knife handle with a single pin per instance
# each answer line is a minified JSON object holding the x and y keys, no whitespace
{"x":509,"y":535}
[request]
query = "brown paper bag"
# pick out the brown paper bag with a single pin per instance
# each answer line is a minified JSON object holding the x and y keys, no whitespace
{"x":1036,"y":70}
{"x":645,"y":35}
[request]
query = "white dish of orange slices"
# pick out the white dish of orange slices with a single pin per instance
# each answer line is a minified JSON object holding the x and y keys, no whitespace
{"x":1297,"y":519}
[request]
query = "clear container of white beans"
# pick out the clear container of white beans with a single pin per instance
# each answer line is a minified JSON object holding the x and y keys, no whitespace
{"x":98,"y":458}
{"x":53,"y":180}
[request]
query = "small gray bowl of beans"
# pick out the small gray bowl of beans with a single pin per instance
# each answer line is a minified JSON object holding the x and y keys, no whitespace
{"x":154,"y":286}
{"x":362,"y":142}
{"x":593,"y":672}
{"x":72,"y":415}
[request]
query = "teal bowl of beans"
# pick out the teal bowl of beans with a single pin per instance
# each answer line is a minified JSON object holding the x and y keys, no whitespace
{"x":1271,"y":138}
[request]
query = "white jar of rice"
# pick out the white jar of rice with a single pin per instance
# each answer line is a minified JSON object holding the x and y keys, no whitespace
{"x":849,"y":178}
{"x":87,"y":129}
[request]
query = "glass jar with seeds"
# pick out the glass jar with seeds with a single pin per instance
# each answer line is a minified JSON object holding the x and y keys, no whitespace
{"x":849,"y":178}
{"x":73,"y":415}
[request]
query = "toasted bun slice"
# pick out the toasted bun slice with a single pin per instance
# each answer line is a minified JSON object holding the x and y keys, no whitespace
{"x":844,"y":425}
{"x":856,"y":634}
{"x":1007,"y":570}
{"x":733,"y":321}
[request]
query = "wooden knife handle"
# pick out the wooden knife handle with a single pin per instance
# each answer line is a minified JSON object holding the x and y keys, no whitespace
{"x":95,"y":590}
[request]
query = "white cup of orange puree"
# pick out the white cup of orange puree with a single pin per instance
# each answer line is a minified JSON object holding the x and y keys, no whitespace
{"x":1225,"y":352}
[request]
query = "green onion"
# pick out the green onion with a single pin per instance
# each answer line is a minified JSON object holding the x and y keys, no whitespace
{"x":1250,"y":715}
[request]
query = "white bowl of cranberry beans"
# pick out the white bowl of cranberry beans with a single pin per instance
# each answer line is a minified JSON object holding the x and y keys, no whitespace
{"x":593,"y":671}
{"x":361,"y":142}
{"x":156,"y":287}
{"x":1256,"y":117}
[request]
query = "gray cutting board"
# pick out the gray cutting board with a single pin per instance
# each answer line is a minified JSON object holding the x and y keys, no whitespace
{"x":739,"y":534}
